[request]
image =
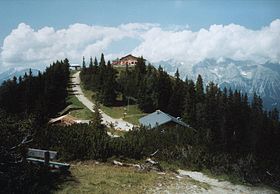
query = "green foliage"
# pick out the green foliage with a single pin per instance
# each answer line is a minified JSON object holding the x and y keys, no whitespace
{"x":16,"y":175}
{"x":102,"y":80}
{"x":27,"y":103}
{"x":80,"y":141}
{"x":176,"y":102}
{"x":43,"y":95}
{"x":228,"y":134}
{"x":226,"y":124}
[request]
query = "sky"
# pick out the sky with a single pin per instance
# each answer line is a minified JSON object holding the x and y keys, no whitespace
{"x":35,"y":33}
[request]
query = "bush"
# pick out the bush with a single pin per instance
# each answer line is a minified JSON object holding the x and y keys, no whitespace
{"x":79,"y":141}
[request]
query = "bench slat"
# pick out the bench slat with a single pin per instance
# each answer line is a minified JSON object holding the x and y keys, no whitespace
{"x":51,"y":164}
{"x":37,"y":153}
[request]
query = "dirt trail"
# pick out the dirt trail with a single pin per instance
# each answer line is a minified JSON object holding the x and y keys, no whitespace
{"x":107,"y":120}
{"x":199,"y":183}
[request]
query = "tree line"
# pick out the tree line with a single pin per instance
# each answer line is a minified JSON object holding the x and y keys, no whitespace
{"x":43,"y":95}
{"x":100,"y":78}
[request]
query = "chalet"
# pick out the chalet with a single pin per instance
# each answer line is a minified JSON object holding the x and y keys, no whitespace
{"x":127,"y":60}
{"x":159,"y":118}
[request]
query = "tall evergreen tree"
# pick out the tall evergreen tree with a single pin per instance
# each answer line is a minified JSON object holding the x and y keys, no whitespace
{"x":91,"y":65}
{"x":108,"y":91}
{"x":97,"y":118}
{"x":176,"y":102}
{"x":199,"y":90}
{"x":83,"y":63}
{"x":164,"y":87}
{"x":189,"y":114}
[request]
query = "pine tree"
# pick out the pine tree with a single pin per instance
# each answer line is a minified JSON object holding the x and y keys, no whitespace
{"x":212,"y":112}
{"x":102,"y":60}
{"x":95,"y":62}
{"x":190,"y":114}
{"x":164,"y":87}
{"x":108,"y":92}
{"x":199,"y":90}
{"x":97,"y":118}
{"x":256,"y":121}
{"x":274,"y":114}
{"x":91,"y":65}
{"x":84,"y":63}
{"x":176,"y":102}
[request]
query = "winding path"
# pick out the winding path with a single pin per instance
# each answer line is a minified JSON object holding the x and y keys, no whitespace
{"x":119,"y":124}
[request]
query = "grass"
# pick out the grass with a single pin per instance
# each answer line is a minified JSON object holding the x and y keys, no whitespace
{"x":84,"y":113}
{"x":134,"y":119}
{"x":133,"y":111}
{"x":88,"y":177}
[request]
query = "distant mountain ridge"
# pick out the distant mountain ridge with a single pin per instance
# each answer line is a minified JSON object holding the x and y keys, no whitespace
{"x":246,"y":76}
{"x":10,"y":73}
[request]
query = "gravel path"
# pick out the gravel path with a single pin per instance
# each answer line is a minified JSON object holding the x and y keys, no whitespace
{"x":107,"y":120}
{"x":199,"y":183}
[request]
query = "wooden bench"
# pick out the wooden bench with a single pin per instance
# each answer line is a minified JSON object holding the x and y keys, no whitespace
{"x":38,"y":156}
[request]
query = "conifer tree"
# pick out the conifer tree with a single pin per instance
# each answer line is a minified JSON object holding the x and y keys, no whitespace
{"x":176,"y":102}
{"x":108,"y":91}
{"x":83,"y":63}
{"x":164,"y":87}
{"x":199,"y":89}
{"x":190,"y":114}
{"x":90,"y":65}
{"x":95,"y":62}
{"x":97,"y":118}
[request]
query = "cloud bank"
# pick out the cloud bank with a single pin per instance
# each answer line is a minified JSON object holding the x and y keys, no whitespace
{"x":232,"y":41}
{"x":25,"y":46}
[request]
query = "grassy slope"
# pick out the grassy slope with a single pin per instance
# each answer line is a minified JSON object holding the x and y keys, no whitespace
{"x":89,"y":177}
{"x":133,"y":112}
{"x":84,"y":113}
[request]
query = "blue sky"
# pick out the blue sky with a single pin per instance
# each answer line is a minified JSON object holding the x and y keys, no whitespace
{"x":170,"y":15}
{"x":196,"y":14}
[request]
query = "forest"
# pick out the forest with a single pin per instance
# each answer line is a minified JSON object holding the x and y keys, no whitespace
{"x":26,"y":104}
{"x":230,"y":127}
{"x":229,"y":133}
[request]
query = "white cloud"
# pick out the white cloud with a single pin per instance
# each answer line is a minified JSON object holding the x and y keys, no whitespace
{"x":233,"y":41}
{"x":25,"y":46}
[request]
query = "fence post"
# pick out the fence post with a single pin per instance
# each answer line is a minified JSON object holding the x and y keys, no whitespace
{"x":47,"y":158}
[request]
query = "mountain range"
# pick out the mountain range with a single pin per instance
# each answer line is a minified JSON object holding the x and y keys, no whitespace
{"x":246,"y":76}
{"x":16,"y":72}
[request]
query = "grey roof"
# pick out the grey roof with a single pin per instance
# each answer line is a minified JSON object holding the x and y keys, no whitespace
{"x":158,"y":118}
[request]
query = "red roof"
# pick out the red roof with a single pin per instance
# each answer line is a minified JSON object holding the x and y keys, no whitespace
{"x":127,"y":56}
